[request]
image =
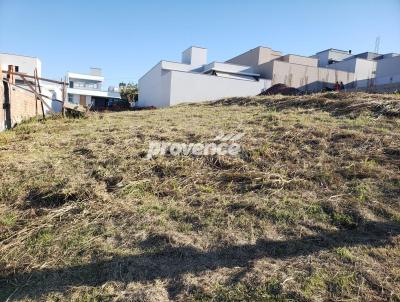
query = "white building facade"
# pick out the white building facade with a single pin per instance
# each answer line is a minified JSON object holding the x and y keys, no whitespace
{"x":371,"y":70}
{"x":27,"y":65}
{"x":388,"y":70}
{"x":22,"y":64}
{"x":250,"y":73}
{"x":193,"y":80}
{"x":86,"y":89}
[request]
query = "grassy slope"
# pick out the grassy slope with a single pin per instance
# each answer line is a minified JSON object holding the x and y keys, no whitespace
{"x":310,"y":209}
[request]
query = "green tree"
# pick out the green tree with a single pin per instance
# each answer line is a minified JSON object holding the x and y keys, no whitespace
{"x":129,"y":92}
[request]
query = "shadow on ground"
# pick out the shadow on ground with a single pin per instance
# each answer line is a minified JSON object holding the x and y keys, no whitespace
{"x":172,"y":262}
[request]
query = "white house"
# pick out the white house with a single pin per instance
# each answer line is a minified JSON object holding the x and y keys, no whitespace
{"x":27,"y":65}
{"x":193,"y":80}
{"x":22,"y":64}
{"x":330,"y":56}
{"x":86,"y":89}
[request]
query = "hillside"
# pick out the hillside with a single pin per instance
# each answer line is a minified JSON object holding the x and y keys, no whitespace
{"x":308,"y":211}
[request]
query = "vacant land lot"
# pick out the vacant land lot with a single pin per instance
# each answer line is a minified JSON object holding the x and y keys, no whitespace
{"x":309,"y":210}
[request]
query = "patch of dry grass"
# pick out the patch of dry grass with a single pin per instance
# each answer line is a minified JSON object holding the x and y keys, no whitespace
{"x":309,"y":210}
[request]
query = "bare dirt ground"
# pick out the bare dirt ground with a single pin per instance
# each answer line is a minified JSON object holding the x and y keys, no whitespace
{"x":308,"y":211}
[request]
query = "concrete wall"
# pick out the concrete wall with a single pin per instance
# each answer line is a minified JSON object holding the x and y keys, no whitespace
{"x":154,"y":88}
{"x":299,"y":60}
{"x":163,"y":88}
{"x":255,"y":56}
{"x":2,"y":111}
{"x":195,"y":56}
{"x":364,"y":73}
{"x":364,"y":70}
{"x":388,"y":71}
{"x":368,"y":55}
{"x":54,"y":92}
{"x":194,"y":87}
{"x":227,"y":67}
{"x":306,"y":78}
{"x":347,"y":65}
{"x":26,"y":64}
{"x":330,"y":54}
{"x":167,"y":65}
{"x":249,"y":58}
{"x":267,"y":55}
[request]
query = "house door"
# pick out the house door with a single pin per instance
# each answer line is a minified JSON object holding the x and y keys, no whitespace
{"x":82,"y":100}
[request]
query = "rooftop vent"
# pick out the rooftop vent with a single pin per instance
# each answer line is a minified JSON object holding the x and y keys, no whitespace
{"x":195,"y":56}
{"x":94,"y":71}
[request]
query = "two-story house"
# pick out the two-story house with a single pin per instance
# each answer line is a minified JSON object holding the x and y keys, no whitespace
{"x":86,"y":89}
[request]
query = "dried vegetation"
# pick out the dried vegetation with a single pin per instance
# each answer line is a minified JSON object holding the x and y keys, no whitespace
{"x":309,"y":211}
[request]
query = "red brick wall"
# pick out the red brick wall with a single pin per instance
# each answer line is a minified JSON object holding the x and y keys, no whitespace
{"x":23,"y":105}
{"x":2,"y":113}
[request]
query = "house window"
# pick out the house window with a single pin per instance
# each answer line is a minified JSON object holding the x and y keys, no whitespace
{"x":71,"y":84}
{"x":70,"y":98}
{"x":16,"y":68}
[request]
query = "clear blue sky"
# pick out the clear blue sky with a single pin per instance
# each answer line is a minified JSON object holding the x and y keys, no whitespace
{"x":126,"y":38}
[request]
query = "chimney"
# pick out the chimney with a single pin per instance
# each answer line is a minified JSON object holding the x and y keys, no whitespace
{"x":196,"y":56}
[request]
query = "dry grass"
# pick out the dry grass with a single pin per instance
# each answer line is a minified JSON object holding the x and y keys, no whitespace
{"x":310,"y":210}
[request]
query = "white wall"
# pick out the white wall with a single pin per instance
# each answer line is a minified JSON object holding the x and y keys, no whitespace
{"x":347,"y":65}
{"x":194,"y":87}
{"x":26,"y":64}
{"x":53,"y":92}
{"x":195,"y":56}
{"x":304,"y":77}
{"x":167,"y":65}
{"x":255,"y":56}
{"x":388,"y":71}
{"x":163,"y":88}
{"x":300,"y":60}
{"x":228,"y":67}
{"x":330,"y":54}
{"x":154,"y":87}
{"x":81,"y":76}
{"x":364,"y":70}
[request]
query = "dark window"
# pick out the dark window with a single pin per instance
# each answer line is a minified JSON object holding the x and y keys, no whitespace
{"x":71,"y":84}
{"x":16,"y":68}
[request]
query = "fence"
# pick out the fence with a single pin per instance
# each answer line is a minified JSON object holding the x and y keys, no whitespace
{"x":21,"y":97}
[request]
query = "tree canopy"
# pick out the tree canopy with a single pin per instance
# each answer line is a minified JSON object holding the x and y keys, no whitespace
{"x":129,"y":91}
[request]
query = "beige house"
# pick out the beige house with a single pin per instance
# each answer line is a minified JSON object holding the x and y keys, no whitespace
{"x":302,"y":73}
{"x":292,"y":70}
{"x":255,"y":56}
{"x":250,"y":73}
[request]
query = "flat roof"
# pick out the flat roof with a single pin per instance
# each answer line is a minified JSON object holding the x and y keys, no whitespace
{"x":239,"y":73}
{"x":334,"y":49}
{"x":252,"y":49}
{"x":292,"y":54}
{"x":85,"y":76}
{"x":371,"y":52}
{"x":193,"y":46}
{"x":14,"y":54}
